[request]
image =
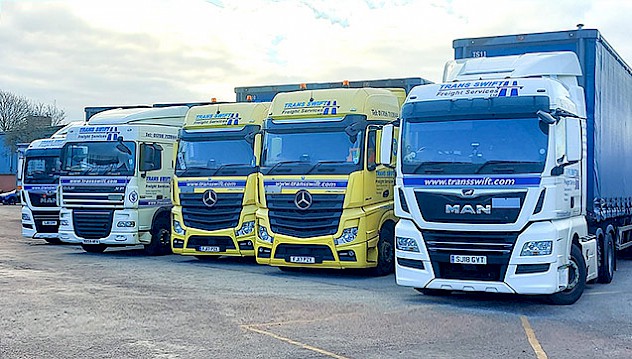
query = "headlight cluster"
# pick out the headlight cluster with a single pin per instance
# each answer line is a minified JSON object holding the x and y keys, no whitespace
{"x":348,"y":235}
{"x":126,"y":224}
{"x":246,"y":228}
{"x":26,"y":217}
{"x":177,"y":228}
{"x":406,"y":244}
{"x":537,"y":248}
{"x":264,"y":236}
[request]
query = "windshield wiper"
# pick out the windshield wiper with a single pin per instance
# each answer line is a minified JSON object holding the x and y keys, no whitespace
{"x":230,"y":165}
{"x":508,"y":165}
{"x":319,"y":163}
{"x":191,"y":170}
{"x":279,"y":164}
{"x":435,"y":163}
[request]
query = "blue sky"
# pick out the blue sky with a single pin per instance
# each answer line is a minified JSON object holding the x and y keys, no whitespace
{"x":93,"y":52}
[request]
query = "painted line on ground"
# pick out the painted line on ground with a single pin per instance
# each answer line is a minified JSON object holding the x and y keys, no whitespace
{"x":294,"y":342}
{"x":537,"y":348}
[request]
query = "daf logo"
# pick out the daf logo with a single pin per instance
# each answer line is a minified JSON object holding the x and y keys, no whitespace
{"x":468,"y":209}
{"x":303,"y":199}
{"x":209,"y":198}
{"x":467,"y":192}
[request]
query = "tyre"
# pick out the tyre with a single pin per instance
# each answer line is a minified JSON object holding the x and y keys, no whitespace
{"x":385,"y":252}
{"x":160,"y":239}
{"x":433,"y":292}
{"x":94,"y":248}
{"x":606,"y":259}
{"x":53,"y":240}
{"x":576,"y":280}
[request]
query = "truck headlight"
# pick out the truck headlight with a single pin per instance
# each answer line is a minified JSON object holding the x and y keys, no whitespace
{"x":264,"y":236}
{"x":537,"y":248}
{"x":126,"y":224}
{"x":246,"y":228}
{"x":26,"y":217}
{"x":177,"y":228}
{"x":348,"y":235}
{"x":406,"y":244}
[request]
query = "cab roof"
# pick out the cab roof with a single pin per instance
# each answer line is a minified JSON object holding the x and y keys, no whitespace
{"x":166,"y":116}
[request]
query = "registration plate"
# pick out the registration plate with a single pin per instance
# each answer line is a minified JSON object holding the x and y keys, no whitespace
{"x":468,"y":259}
{"x":302,"y":259}
{"x":90,"y":241}
{"x":49,"y":223}
{"x":208,"y":249}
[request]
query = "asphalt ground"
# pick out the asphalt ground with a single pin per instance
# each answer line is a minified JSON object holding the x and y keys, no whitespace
{"x":59,"y":302}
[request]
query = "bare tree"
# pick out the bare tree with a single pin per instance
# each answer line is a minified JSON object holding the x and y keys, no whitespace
{"x":13,"y":111}
{"x":51,"y":111}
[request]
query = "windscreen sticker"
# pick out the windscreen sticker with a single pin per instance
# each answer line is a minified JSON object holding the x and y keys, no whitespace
{"x":459,"y":182}
{"x":213,"y":183}
{"x":320,"y":184}
{"x":154,"y":202}
{"x":93,"y":181}
{"x":40,"y":188}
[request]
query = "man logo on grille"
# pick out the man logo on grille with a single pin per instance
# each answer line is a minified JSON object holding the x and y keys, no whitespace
{"x":209,"y":198}
{"x":303,"y":199}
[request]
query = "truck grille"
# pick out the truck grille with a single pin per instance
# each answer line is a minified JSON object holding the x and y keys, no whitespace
{"x":496,"y":246}
{"x":222,"y":242}
{"x":42,"y":199}
{"x":320,"y":219}
{"x":224,"y":214}
{"x":433,"y":207}
{"x":92,"y":224}
{"x":46,"y":216}
{"x":319,"y":252}
{"x":96,"y":196}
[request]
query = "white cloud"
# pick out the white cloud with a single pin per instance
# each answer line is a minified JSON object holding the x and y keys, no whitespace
{"x":86,"y":53}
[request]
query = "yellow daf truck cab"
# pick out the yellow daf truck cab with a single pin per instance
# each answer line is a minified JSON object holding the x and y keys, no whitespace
{"x":324,"y":200}
{"x":215,"y":180}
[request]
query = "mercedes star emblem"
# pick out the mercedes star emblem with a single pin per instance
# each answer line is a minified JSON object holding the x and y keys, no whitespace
{"x":209,"y":198}
{"x":303,"y":199}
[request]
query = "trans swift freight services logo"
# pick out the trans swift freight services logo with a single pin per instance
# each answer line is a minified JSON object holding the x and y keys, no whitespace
{"x":472,"y":181}
{"x":480,"y":88}
{"x":325,"y":107}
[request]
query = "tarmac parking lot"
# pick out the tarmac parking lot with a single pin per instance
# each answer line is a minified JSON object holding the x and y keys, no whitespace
{"x":60,"y":302}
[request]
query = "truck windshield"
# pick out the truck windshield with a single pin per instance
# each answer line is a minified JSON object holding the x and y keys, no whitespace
{"x":42,"y":170}
{"x":215,"y":157}
{"x":310,"y":152}
{"x":484,"y":146}
{"x":99,"y":158}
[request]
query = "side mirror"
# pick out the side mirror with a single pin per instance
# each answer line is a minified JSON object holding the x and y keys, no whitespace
{"x":257,"y":148}
{"x":386,"y":145}
{"x":546,"y":117}
{"x":150,"y":157}
{"x":574,"y":145}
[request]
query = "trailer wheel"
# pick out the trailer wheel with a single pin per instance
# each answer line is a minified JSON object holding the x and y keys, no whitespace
{"x":385,"y":252}
{"x":160,"y":239}
{"x":94,"y":248}
{"x":576,"y":280}
{"x":606,"y":259}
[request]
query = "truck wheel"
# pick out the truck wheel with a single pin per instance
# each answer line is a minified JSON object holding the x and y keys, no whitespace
{"x":576,"y":280}
{"x":94,"y":248}
{"x":53,"y":240}
{"x":607,"y":259}
{"x":160,"y":239}
{"x":385,"y":252}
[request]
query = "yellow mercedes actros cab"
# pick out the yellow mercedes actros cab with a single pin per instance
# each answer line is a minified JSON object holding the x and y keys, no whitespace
{"x":323,"y":199}
{"x":215,"y":180}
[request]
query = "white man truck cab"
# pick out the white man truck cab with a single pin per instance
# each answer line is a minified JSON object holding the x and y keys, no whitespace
{"x":40,"y":179}
{"x":324,"y":200}
{"x":215,"y":183}
{"x":115,"y":184}
{"x":492,"y":178}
